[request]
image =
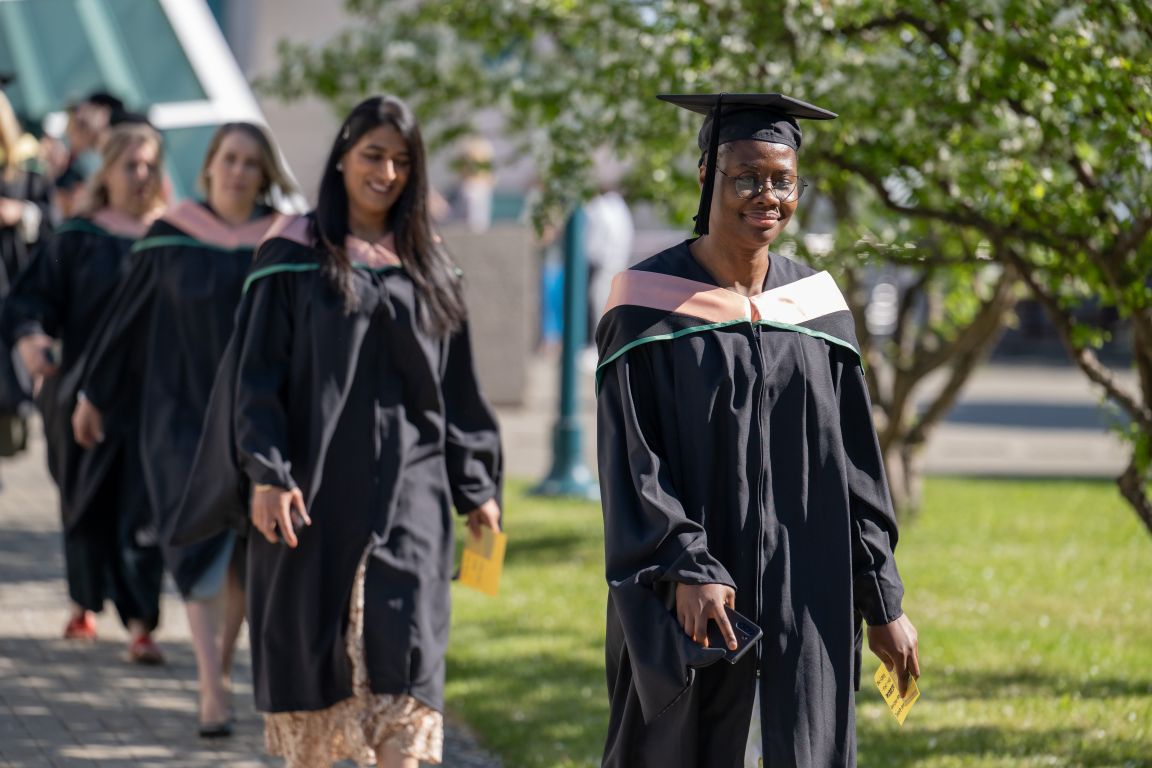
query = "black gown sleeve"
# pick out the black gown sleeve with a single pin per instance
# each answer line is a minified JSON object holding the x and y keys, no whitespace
{"x":39,"y":193}
{"x":648,"y":536}
{"x":877,"y":588}
{"x":38,"y":301}
{"x":472,"y":440}
{"x":263,"y":366}
{"x":650,"y":543}
{"x":114,"y":352}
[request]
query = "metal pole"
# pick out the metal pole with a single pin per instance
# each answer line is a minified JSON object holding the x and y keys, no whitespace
{"x":569,"y":475}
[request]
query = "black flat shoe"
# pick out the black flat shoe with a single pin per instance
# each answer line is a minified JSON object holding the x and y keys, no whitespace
{"x":221,"y":730}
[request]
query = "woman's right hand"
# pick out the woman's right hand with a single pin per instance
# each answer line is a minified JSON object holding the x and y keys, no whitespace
{"x":35,"y":352}
{"x":697,"y":604}
{"x":87,"y":424}
{"x":273,"y":510}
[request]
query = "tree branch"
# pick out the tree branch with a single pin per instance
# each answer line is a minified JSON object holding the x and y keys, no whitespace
{"x":978,"y":339}
{"x":908,"y":302}
{"x":968,"y":219}
{"x":1135,"y":235}
{"x":1085,"y":358}
{"x":1133,"y":488}
{"x":901,"y":19}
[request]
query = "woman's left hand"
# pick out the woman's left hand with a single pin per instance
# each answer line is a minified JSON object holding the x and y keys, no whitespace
{"x":487,"y":515}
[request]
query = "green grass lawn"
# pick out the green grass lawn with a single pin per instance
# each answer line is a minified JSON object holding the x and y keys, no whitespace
{"x":1033,"y":600}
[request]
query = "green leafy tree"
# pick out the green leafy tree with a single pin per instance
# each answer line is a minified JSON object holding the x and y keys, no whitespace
{"x":1015,"y":133}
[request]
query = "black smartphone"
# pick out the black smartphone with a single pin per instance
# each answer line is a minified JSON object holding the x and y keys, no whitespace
{"x":747,"y":634}
{"x":297,"y":525}
{"x":54,"y":352}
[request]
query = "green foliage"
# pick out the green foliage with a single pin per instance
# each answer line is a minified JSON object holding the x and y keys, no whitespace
{"x":1017,"y":128}
{"x":1028,"y":120}
{"x":1030,"y":598}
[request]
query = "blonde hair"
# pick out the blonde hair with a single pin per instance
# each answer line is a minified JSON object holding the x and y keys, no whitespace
{"x":120,"y":139}
{"x":10,"y":134}
{"x":275,"y":176}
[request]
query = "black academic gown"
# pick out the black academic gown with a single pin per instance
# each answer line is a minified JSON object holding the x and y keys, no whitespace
{"x":736,"y":447}
{"x":383,"y":429}
{"x":64,"y":293}
{"x":15,"y":251}
{"x":15,"y":256}
{"x":174,"y":313}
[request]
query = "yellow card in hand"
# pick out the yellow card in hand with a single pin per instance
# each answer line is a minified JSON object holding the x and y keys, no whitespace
{"x":891,"y":692}
{"x":483,"y":560}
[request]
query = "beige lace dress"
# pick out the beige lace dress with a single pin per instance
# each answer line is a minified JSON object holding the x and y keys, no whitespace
{"x":354,"y":728}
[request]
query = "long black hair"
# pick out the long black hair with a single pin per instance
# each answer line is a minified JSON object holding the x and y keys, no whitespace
{"x":435,"y":276}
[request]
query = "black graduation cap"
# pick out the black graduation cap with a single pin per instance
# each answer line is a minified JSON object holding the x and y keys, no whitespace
{"x":757,"y":116}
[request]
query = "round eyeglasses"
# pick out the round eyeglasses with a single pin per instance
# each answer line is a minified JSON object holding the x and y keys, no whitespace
{"x":784,"y":188}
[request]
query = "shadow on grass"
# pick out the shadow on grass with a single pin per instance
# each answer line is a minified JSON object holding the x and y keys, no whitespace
{"x":547,"y":549}
{"x":532,"y":686}
{"x":973,"y":685}
{"x":538,"y":710}
{"x":884,"y":747}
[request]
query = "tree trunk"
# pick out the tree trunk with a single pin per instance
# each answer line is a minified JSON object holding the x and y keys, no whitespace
{"x":1134,"y":488}
{"x":904,"y":464}
{"x":907,"y":428}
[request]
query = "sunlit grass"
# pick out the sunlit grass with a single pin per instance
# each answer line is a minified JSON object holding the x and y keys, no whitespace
{"x":1033,"y":600}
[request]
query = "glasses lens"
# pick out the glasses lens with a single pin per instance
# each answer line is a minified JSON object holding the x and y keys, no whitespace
{"x":746,"y":186}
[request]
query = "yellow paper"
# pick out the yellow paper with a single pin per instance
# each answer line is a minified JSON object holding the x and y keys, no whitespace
{"x":891,"y":692}
{"x":483,"y":560}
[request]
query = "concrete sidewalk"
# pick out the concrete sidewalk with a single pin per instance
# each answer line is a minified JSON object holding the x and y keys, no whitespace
{"x":64,"y":703}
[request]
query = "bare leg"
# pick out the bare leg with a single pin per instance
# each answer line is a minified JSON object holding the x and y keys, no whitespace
{"x":137,"y":628}
{"x":204,"y":622}
{"x":390,"y":757}
{"x":233,"y":620}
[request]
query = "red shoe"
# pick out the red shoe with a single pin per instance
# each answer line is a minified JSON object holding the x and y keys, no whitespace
{"x":143,"y":651}
{"x":82,"y":627}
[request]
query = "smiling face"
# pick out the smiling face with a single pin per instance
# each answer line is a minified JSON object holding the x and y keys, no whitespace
{"x":376,"y":169}
{"x":755,"y":222}
{"x":133,"y":179}
{"x":235,"y":174}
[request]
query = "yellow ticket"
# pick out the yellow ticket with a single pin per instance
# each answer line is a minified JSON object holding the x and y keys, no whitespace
{"x":483,"y":561}
{"x":891,"y":692}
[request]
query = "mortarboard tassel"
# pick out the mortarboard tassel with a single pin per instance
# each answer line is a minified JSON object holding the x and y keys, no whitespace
{"x":705,"y":209}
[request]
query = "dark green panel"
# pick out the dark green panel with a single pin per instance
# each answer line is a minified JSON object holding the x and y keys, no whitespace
{"x":44,"y":42}
{"x":61,"y":50}
{"x":153,"y":51}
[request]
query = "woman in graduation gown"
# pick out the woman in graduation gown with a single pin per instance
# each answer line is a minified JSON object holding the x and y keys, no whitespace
{"x":174,"y":313}
{"x":740,"y":470}
{"x":348,"y":399}
{"x":110,"y":540}
{"x":24,"y":224}
{"x":24,"y":203}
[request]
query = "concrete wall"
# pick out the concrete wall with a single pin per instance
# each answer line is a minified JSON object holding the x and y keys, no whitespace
{"x":501,"y":273}
{"x":304,"y":129}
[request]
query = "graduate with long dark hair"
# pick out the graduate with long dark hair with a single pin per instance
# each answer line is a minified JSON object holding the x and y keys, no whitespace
{"x":110,"y":537}
{"x":174,"y":314}
{"x":347,"y":401}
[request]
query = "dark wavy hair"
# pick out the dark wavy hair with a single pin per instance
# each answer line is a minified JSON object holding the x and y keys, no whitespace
{"x":438,"y":288}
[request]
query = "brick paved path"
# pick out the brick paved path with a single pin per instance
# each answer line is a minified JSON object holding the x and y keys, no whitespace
{"x":68,"y":704}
